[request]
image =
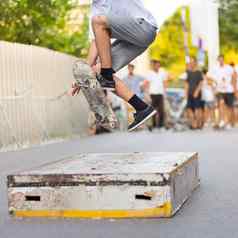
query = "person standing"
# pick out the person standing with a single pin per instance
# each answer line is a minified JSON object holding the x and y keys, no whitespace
{"x":157,"y":79}
{"x":225,"y":77}
{"x":208,"y":96}
{"x":134,"y":81}
{"x":193,"y":87}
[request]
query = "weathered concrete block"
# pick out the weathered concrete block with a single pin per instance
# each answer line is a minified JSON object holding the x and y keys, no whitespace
{"x":106,"y":186}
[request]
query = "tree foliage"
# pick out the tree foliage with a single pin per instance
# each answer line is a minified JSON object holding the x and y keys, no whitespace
{"x":42,"y":23}
{"x":228,"y":21}
{"x":169,"y":44}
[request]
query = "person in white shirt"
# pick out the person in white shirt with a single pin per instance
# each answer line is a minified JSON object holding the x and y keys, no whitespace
{"x":134,"y":28}
{"x":225,"y":77}
{"x":208,"y":96}
{"x":157,"y":79}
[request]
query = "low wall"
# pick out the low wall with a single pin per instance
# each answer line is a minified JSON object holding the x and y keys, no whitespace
{"x":34,"y":105}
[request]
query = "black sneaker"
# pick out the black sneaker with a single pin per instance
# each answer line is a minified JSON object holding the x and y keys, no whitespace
{"x":105,"y":83}
{"x":141,"y":117}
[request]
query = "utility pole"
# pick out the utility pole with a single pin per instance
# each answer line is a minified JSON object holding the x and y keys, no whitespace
{"x":186,"y":34}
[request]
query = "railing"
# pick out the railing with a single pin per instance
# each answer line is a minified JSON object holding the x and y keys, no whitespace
{"x":34,"y":104}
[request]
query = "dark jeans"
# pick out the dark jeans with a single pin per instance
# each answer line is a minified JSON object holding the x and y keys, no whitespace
{"x":158,"y":104}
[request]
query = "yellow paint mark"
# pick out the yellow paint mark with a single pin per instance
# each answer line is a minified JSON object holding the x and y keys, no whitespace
{"x":163,"y":211}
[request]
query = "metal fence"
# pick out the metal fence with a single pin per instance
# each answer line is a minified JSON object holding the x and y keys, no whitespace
{"x":34,"y":105}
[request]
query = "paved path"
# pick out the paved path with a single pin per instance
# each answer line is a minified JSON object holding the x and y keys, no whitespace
{"x":212,"y":211}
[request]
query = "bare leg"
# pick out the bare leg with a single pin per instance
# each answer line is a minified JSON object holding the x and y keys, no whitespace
{"x":230,"y":115}
{"x":103,"y":43}
{"x":200,"y":118}
{"x":190,"y":115}
{"x":197,"y":116}
{"x":233,"y":117}
{"x":207,"y":116}
{"x":122,"y":90}
{"x":222,"y":116}
{"x":213,"y":116}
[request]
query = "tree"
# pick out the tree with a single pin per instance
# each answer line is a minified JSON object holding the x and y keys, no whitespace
{"x":42,"y":23}
{"x":228,"y":20}
{"x":169,"y":45}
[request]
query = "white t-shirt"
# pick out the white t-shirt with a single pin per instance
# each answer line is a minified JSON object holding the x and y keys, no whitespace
{"x":134,"y":8}
{"x":207,"y":92}
{"x":121,"y":8}
{"x":223,"y":77}
{"x":156,"y":81}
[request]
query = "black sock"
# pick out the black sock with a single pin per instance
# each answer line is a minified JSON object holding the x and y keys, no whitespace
{"x":137,"y":103}
{"x":107,"y":73}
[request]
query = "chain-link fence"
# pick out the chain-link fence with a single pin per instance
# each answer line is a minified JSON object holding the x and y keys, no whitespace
{"x":34,"y":105}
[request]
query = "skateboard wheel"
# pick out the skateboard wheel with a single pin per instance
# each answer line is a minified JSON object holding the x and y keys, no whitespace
{"x":113,"y":125}
{"x":94,"y":86}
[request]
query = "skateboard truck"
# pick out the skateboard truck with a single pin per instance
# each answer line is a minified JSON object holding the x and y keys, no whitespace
{"x":110,"y":126}
{"x":93,"y":84}
{"x":109,"y":123}
{"x":95,"y":95}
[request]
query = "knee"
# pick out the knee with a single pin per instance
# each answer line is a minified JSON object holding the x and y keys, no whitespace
{"x":221,"y":103}
{"x":99,"y":21}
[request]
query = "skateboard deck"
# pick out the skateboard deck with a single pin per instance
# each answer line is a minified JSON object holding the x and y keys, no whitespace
{"x":94,"y":95}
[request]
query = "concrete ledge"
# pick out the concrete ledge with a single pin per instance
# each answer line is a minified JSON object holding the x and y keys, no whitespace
{"x":135,"y":185}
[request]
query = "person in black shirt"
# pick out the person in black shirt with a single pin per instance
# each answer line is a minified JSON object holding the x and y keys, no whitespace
{"x":193,"y":87}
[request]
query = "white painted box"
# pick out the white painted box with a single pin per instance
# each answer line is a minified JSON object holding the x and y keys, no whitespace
{"x":131,"y":185}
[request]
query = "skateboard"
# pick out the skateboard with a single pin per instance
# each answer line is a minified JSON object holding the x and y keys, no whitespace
{"x":95,"y":95}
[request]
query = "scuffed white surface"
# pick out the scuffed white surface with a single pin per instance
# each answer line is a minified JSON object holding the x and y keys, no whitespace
{"x":128,"y":163}
{"x":88,"y":198}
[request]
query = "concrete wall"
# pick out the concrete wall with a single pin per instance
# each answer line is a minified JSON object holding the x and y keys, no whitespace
{"x":34,"y":105}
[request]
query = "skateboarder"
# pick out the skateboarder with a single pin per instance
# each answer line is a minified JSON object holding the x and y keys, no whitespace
{"x":134,"y":28}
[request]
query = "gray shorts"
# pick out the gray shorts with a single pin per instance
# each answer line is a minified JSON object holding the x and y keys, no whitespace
{"x":133,"y":36}
{"x":210,"y":104}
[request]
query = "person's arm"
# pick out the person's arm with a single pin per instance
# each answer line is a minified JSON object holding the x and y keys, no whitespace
{"x":186,"y":88}
{"x":92,"y":54}
{"x":234,"y":81}
{"x":198,"y":89}
{"x":235,"y":84}
{"x":212,"y":83}
{"x":145,"y":86}
{"x":92,"y":61}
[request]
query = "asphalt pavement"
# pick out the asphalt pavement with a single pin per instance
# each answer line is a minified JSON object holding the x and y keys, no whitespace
{"x":212,"y":212}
